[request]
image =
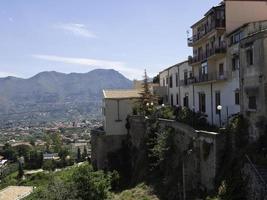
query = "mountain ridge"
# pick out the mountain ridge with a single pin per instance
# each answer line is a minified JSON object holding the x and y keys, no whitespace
{"x":72,"y":96}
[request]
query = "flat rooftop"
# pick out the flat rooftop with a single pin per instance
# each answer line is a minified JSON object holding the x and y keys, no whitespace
{"x":121,"y":94}
{"x":15,"y":192}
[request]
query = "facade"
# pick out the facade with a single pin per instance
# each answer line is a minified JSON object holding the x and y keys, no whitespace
{"x":248,"y":46}
{"x":118,"y":104}
{"x":213,"y":81}
{"x":176,"y":82}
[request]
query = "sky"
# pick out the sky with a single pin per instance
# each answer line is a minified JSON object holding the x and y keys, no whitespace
{"x":81,"y":35}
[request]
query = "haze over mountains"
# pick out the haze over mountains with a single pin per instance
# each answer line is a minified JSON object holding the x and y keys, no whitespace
{"x":56,"y":96}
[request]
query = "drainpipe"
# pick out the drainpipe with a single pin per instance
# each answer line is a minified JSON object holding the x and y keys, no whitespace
{"x":211,"y":92}
{"x":180,"y":100}
{"x":194,"y":106}
{"x":184,"y":191}
{"x":168,"y":86}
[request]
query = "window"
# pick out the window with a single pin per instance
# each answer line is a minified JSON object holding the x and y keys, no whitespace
{"x":217,"y":101}
{"x":235,"y":62}
{"x":171,"y":99}
{"x":202,"y":102}
{"x":167,"y":81}
{"x":237,"y":100}
{"x":186,"y":101}
{"x":249,"y":55}
{"x":177,"y":80}
{"x":203,"y":72}
{"x":171,"y":81}
{"x":163,"y":81}
{"x":185,"y":77}
{"x":177,"y":99}
{"x":221,"y":69}
{"x":252,"y":102}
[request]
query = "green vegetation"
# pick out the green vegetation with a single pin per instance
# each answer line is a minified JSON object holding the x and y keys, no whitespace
{"x":164,"y":167}
{"x":146,"y":104}
{"x":230,"y":182}
{"x":78,"y":183}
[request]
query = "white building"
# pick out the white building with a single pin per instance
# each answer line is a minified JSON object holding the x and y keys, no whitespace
{"x":118,"y":104}
{"x":176,"y":79}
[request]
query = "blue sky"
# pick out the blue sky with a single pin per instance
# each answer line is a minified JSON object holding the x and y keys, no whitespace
{"x":81,"y":35}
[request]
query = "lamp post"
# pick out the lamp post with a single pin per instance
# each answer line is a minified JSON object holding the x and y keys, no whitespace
{"x":219,"y":108}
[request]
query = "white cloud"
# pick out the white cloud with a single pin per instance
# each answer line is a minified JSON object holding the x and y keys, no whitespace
{"x":77,"y":29}
{"x":93,"y":64}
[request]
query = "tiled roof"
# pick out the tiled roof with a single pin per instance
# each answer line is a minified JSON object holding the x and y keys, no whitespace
{"x":121,"y":94}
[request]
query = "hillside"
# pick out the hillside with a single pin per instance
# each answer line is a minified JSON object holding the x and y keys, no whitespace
{"x":56,"y":96}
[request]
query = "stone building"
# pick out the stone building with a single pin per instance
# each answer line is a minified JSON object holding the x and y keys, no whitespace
{"x":248,"y":51}
{"x":118,"y":104}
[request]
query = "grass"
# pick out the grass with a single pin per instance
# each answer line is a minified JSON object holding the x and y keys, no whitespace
{"x":140,"y":192}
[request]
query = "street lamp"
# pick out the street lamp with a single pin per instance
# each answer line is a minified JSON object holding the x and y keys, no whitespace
{"x":219,"y":108}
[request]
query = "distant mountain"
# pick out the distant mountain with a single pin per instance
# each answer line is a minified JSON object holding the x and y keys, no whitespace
{"x":56,"y":96}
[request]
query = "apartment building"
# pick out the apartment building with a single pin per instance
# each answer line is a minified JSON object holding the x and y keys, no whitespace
{"x":248,"y":50}
{"x":213,"y":81}
{"x":176,"y":81}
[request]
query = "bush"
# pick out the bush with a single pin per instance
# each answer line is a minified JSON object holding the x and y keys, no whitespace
{"x":91,"y":185}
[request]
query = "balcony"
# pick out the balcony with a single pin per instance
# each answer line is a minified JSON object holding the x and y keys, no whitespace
{"x":187,"y":81}
{"x":216,"y":24}
{"x":210,"y":77}
{"x":221,"y":49}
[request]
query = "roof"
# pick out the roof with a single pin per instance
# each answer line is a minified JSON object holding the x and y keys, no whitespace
{"x":206,"y":14}
{"x":15,"y":192}
{"x":176,"y":65}
{"x":121,"y":94}
{"x":243,"y":26}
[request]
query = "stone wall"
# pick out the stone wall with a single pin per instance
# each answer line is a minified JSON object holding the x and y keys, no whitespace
{"x":203,"y":161}
{"x":101,"y":145}
{"x":257,"y":188}
{"x":201,"y":151}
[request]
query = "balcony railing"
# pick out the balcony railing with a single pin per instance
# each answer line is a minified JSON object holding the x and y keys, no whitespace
{"x":206,"y":54}
{"x":219,"y":23}
{"x":187,"y":81}
{"x":215,"y":76}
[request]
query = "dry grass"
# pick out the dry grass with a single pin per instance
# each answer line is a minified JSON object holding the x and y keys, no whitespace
{"x":140,"y":192}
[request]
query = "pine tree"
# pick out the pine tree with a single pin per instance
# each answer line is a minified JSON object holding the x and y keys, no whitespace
{"x":147,"y":99}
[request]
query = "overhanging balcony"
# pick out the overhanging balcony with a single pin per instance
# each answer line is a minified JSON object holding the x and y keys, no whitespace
{"x":221,"y":49}
{"x":217,"y":24}
{"x":210,"y":77}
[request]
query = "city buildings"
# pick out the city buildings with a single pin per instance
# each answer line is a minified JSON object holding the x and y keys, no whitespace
{"x":210,"y":82}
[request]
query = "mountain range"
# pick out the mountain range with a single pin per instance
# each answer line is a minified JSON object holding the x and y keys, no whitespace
{"x":56,"y":96}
